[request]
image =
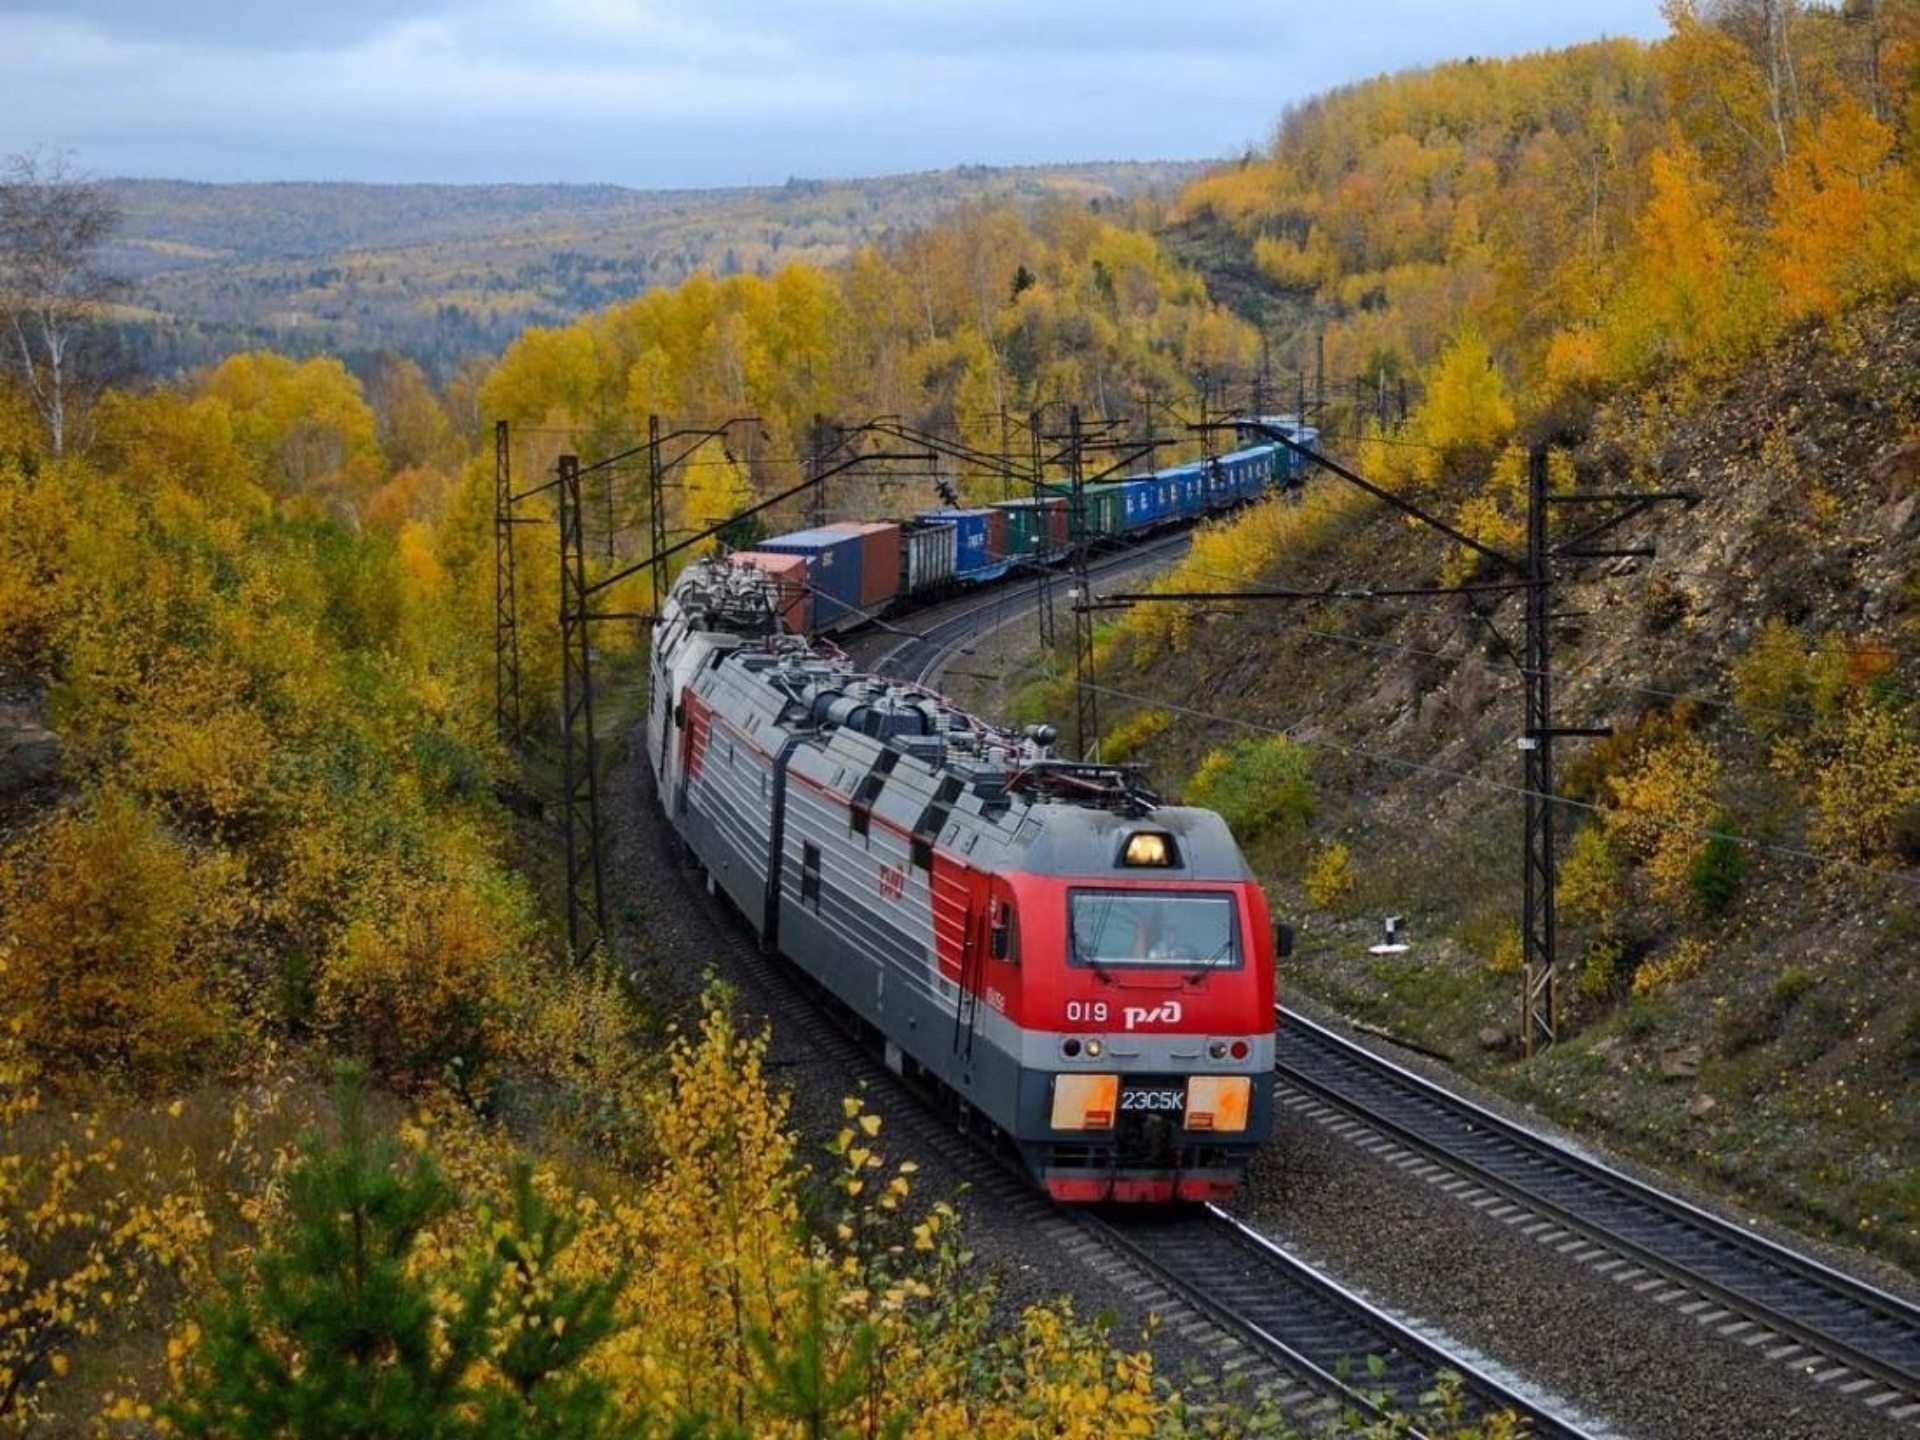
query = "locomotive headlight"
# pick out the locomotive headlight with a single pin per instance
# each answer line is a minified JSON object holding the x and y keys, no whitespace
{"x":1217,"y":1049}
{"x":1070,"y":1048}
{"x":1148,"y":850}
{"x":1094,"y":1047}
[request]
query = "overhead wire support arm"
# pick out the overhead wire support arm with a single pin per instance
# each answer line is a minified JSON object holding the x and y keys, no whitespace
{"x":1633,"y":506}
{"x":992,"y":464}
{"x":698,"y":436}
{"x":1422,"y":592}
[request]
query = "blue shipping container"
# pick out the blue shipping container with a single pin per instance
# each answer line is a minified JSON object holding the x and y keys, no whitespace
{"x":1174,"y":492}
{"x":833,"y":572}
{"x":1137,"y":507}
{"x":972,"y":556}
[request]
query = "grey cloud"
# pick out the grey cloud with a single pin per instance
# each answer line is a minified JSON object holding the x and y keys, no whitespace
{"x":702,"y":92}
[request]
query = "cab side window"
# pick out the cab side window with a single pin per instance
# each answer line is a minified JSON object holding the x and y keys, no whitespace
{"x":1003,"y":932}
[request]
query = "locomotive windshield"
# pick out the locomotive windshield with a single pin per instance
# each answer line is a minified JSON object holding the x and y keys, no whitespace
{"x":1152,"y":927}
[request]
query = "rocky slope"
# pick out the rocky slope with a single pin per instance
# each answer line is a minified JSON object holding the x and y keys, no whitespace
{"x":1772,"y":1040}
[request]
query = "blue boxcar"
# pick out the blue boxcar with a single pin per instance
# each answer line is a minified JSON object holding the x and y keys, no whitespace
{"x":833,"y":572}
{"x":1193,"y":491}
{"x":1289,"y":467}
{"x":1179,"y":491}
{"x":1249,"y":471}
{"x":1160,"y":495}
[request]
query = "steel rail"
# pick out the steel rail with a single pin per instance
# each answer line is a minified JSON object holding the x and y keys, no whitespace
{"x":1840,"y":1316}
{"x":1331,"y":1336}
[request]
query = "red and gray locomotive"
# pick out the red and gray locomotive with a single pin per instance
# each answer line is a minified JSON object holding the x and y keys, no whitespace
{"x":1090,"y":972}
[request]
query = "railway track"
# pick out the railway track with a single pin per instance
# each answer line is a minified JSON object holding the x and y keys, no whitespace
{"x":1311,"y":1326}
{"x":1328,"y":1349}
{"x":927,"y":644}
{"x":1840,"y":1331}
{"x":1294,"y":1340}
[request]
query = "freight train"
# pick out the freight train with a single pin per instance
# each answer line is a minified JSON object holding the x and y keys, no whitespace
{"x":1088,"y":972}
{"x":837,"y":577}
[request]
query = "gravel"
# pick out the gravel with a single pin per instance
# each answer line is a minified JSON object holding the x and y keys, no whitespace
{"x":1631,"y":1366}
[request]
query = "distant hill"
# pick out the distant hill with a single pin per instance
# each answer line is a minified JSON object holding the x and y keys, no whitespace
{"x":445,"y":271}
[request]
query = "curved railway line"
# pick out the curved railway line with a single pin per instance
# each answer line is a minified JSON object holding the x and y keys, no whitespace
{"x":1294,"y":1339}
{"x":941,"y":633}
{"x":1840,"y":1332}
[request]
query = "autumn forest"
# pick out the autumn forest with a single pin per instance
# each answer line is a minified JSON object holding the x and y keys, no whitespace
{"x":280,"y":934}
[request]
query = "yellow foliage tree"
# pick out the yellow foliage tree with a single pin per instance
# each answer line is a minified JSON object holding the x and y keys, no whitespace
{"x":1686,"y":262}
{"x":1330,"y":879}
{"x":720,"y":1227}
{"x":1845,"y":215}
{"x":409,"y":422}
{"x":1869,"y":779}
{"x":1589,"y":885}
{"x":1661,"y":810}
{"x":1468,"y":413}
{"x":194,"y":743}
{"x":307,"y":425}
{"x":105,"y":919}
{"x":417,"y":983}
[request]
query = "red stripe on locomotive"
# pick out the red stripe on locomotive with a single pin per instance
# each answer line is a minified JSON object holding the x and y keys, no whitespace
{"x":697,"y":735}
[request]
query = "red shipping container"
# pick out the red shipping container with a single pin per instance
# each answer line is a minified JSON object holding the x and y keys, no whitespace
{"x":996,"y":534}
{"x":879,"y":560}
{"x":1056,"y":509}
{"x":790,"y":574}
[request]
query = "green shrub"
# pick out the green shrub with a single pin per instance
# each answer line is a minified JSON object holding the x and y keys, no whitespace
{"x":1260,"y":786}
{"x":1719,"y":870}
{"x":1600,"y":972}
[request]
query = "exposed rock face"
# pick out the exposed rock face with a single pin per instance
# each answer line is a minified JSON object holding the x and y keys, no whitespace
{"x":1796,"y":1014}
{"x":1681,"y":1062}
{"x":29,"y":757}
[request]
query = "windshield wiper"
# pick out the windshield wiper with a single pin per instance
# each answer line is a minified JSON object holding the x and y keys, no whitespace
{"x":1087,"y":957}
{"x":1210,"y":962}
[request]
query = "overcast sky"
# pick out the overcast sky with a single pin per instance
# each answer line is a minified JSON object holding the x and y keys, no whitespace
{"x":671,"y":93}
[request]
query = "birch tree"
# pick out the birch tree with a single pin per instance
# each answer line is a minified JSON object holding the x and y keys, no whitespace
{"x":53,"y":286}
